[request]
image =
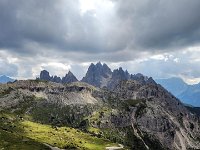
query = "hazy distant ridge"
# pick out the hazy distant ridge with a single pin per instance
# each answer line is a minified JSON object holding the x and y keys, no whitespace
{"x":189,"y":94}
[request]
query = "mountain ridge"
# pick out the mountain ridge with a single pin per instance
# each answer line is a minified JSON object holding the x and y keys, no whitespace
{"x":5,"y":79}
{"x":127,"y":109}
{"x":68,"y":78}
{"x":137,"y":115}
{"x":99,"y":75}
{"x":189,"y":94}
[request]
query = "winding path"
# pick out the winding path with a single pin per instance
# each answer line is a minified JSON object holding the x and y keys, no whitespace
{"x":52,"y":148}
{"x":115,"y":147}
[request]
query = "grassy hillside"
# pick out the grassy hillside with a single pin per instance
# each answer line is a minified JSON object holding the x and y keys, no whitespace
{"x":18,"y":133}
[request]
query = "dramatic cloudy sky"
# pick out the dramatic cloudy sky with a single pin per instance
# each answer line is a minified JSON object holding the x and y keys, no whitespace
{"x":159,"y":38}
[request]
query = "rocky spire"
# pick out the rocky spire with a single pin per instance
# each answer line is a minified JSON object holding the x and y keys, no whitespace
{"x":120,"y":74}
{"x":44,"y":75}
{"x":117,"y":76}
{"x":69,"y":77}
{"x":97,"y":75}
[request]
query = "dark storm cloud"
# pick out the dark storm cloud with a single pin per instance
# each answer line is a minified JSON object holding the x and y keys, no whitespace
{"x":48,"y":23}
{"x":160,"y":24}
{"x":29,"y":26}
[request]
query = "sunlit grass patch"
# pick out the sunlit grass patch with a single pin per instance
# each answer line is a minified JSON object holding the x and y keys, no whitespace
{"x":63,"y":137}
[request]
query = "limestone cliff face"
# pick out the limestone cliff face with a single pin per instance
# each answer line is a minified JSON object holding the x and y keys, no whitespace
{"x":134,"y":113}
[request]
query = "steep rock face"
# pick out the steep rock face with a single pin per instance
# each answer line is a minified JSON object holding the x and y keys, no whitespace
{"x":101,"y":76}
{"x":44,"y":75}
{"x":161,"y":115}
{"x":97,"y":75}
{"x":69,"y":78}
{"x":117,"y":76}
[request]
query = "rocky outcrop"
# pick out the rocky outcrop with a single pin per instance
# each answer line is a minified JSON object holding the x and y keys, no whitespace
{"x":160,"y":114}
{"x":117,"y":76}
{"x":139,"y":77}
{"x":69,"y":77}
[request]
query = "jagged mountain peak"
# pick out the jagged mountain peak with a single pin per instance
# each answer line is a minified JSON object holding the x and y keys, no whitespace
{"x":94,"y":67}
{"x":69,"y":77}
{"x":97,"y":75}
{"x":106,"y":68}
{"x":150,"y":80}
{"x":99,"y":64}
{"x":44,"y":72}
{"x":70,"y":73}
{"x":44,"y":75}
{"x":120,"y":74}
{"x":100,"y":75}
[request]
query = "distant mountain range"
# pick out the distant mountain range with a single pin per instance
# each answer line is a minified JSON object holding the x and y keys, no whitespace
{"x":69,"y":77}
{"x":99,"y":75}
{"x":189,"y":94}
{"x":5,"y":79}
